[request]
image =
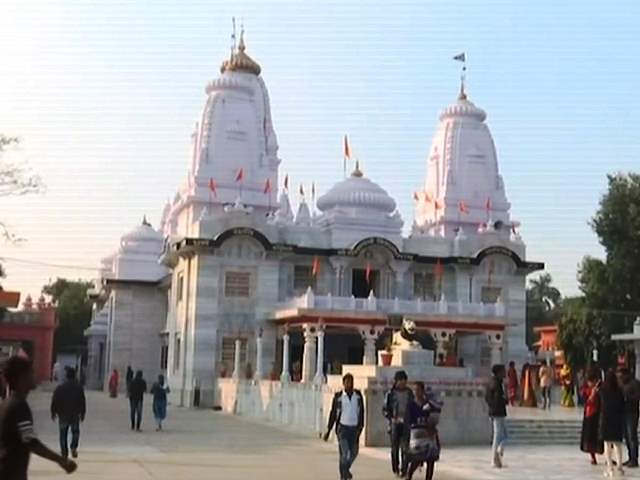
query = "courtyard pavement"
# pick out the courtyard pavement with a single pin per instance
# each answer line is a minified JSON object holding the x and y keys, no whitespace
{"x":201,"y":444}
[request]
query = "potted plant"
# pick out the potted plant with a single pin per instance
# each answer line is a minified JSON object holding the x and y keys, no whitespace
{"x":387,"y":354}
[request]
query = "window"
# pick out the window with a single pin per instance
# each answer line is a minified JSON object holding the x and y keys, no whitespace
{"x":424,"y":286}
{"x":303,"y":278}
{"x":164,"y":357}
{"x":180,"y":289}
{"x":490,"y":294}
{"x":237,"y":284}
{"x":177,"y":353}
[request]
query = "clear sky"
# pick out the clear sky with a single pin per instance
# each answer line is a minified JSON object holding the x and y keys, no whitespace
{"x":104,"y":96}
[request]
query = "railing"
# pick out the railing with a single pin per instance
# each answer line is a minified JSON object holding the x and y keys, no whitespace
{"x":395,"y":306}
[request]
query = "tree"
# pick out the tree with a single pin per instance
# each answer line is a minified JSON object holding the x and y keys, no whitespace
{"x":74,"y":312}
{"x":611,"y":287}
{"x":543,"y":302}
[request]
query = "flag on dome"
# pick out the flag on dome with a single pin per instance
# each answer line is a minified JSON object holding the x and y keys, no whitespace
{"x":347,"y":150}
{"x":462,"y":207}
{"x":267,"y":186}
{"x":461,"y":57}
{"x":212,"y":187}
{"x":240,"y":175}
{"x":286,"y":182}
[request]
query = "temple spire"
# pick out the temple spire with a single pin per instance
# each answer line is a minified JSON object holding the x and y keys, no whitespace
{"x":462,"y":57}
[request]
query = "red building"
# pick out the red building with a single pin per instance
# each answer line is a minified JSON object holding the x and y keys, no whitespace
{"x":30,"y":331}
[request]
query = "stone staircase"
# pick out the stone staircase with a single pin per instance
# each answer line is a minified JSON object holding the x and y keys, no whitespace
{"x":544,"y":431}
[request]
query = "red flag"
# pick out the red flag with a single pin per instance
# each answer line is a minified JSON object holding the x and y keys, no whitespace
{"x":347,"y":150}
{"x":367,"y":273}
{"x":286,"y":182}
{"x":462,"y":207}
{"x":315,"y":268}
{"x":301,"y":190}
{"x":437,"y":204}
{"x":212,"y":187}
{"x":240,"y":175}
{"x":267,"y":186}
{"x":487,"y":205}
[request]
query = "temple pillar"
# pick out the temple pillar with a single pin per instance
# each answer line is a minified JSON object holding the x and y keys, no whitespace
{"x":319,"y":378}
{"x":370,"y":335}
{"x":496,"y":340}
{"x":259,"y":373}
{"x":236,"y":360}
{"x":309,"y":352}
{"x":285,"y":377}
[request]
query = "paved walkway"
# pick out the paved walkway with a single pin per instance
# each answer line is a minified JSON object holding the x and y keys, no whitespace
{"x":208,"y":445}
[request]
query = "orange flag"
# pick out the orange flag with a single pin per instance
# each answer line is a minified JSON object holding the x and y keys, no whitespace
{"x":315,"y":267}
{"x":347,"y":150}
{"x":267,"y":186}
{"x":367,"y":273}
{"x":212,"y":187}
{"x":438,"y":270}
{"x":240,"y":175}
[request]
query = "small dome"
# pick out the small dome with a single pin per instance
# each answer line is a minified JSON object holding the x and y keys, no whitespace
{"x":463,"y":107}
{"x":357,"y":191}
{"x":240,"y":61}
{"x":142,"y":233}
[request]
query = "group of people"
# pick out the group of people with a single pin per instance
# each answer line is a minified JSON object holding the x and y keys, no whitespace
{"x":136,"y":387}
{"x":534,"y":386}
{"x":413,"y":416}
{"x":611,"y":415}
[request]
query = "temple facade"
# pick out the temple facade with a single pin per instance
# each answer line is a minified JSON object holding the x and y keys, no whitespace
{"x":235,"y":282}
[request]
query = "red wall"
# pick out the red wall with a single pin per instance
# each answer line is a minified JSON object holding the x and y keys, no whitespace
{"x":40,"y":334}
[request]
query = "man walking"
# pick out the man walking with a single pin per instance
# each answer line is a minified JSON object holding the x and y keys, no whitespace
{"x":137,"y":389}
{"x":497,"y":403}
{"x":396,"y":410}
{"x":546,"y":382}
{"x":347,"y":414}
{"x":631,"y":391}
{"x":69,"y":406}
{"x":17,"y":437}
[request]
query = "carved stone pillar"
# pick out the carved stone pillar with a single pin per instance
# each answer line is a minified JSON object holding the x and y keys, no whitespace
{"x":319,"y":378}
{"x":285,"y":377}
{"x":309,"y":353}
{"x":496,"y":340}
{"x":370,"y":335}
{"x":259,"y":373}
{"x":237,"y":368}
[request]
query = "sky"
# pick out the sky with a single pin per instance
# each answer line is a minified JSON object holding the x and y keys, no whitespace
{"x":104,"y":96}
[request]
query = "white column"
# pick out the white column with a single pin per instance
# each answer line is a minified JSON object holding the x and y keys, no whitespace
{"x":285,"y":377}
{"x":236,"y":360}
{"x":259,"y":373}
{"x":319,"y":378}
{"x":370,"y":335}
{"x":495,"y":343}
{"x":308,"y":353}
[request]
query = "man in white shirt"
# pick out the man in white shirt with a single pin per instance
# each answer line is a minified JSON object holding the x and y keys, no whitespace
{"x":347,"y":414}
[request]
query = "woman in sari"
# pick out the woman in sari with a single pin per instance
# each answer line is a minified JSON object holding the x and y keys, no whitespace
{"x":589,"y":438}
{"x":424,"y":442}
{"x":566,"y":378}
{"x":114,"y":379}
{"x":528,"y":398}
{"x":512,"y":384}
{"x":159,"y":391}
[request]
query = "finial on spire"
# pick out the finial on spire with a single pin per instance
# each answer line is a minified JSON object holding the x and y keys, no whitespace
{"x":357,"y":172}
{"x":241,"y":45}
{"x":145,"y":222}
{"x":462,"y":57}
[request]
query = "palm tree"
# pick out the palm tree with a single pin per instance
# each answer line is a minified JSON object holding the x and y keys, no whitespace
{"x":543,"y":301}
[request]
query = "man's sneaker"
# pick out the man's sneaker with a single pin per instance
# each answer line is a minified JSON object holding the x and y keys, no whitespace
{"x":74,"y":453}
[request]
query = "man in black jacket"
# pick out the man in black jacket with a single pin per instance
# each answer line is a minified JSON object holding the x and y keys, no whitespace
{"x":137,"y":389}
{"x":631,"y":390}
{"x":497,"y":403}
{"x":69,"y":406}
{"x":396,"y":411}
{"x":347,"y":414}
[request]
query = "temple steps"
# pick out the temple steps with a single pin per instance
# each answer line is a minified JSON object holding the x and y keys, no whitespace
{"x":543,"y":431}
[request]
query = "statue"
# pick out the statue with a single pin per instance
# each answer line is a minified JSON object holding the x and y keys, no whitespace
{"x":405,"y":338}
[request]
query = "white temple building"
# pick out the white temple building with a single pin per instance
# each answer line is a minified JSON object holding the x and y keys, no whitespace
{"x":233,"y":283}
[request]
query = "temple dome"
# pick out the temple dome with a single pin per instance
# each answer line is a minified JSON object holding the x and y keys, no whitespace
{"x":240,"y":61}
{"x":142,"y":233}
{"x":357,"y":191}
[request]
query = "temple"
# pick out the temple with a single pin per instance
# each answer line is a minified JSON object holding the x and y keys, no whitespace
{"x":236,"y":283}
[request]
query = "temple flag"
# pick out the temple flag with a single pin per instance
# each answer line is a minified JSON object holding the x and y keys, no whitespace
{"x":438,"y":269}
{"x":367,"y":273}
{"x":315,"y":267}
{"x":461,"y":57}
{"x":462,"y":207}
{"x":286,"y":182}
{"x":347,"y":155}
{"x":437,"y":204}
{"x":427,"y":197}
{"x":240,"y":175}
{"x":212,"y":187}
{"x":267,"y":186}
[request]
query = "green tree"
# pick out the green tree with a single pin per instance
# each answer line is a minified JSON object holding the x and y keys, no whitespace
{"x":74,"y":312}
{"x":543,"y":302}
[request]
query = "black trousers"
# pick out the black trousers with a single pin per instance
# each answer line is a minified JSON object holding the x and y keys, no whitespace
{"x":631,"y":435}
{"x":399,"y":436}
{"x":135,"y":407}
